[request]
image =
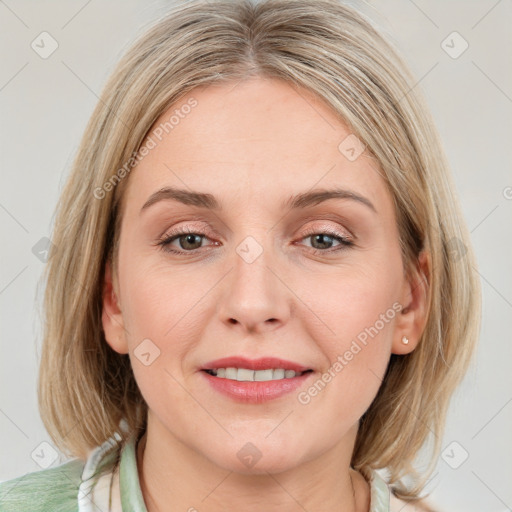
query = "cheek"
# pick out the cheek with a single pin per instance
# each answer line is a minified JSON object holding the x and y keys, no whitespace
{"x":164,"y":312}
{"x":158,"y":298}
{"x":353,"y":301}
{"x":356,"y":333}
{"x":161,"y":332}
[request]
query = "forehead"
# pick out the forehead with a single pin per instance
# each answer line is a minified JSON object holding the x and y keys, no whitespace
{"x":259,"y":138}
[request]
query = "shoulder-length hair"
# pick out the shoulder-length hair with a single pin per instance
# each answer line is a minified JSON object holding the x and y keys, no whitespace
{"x":85,"y":388}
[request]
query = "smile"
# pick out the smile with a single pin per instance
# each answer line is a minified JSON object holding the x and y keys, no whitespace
{"x":245,"y":374}
{"x":254,"y":386}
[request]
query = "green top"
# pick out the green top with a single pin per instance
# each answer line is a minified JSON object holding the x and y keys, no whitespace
{"x":107,"y":481}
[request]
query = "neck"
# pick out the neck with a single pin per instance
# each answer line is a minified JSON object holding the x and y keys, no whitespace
{"x":174,"y":478}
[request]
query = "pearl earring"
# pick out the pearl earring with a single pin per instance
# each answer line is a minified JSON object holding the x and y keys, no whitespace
{"x":405,"y":340}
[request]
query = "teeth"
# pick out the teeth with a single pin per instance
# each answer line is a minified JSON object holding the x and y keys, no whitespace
{"x":244,"y":374}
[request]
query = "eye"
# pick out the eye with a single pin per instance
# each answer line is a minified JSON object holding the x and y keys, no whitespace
{"x":187,"y":240}
{"x":322,"y":241}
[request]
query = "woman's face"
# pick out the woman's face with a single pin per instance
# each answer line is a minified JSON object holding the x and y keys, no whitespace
{"x":262,"y":270}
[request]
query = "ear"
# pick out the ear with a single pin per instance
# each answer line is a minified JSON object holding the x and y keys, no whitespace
{"x":412,"y":318}
{"x":112,"y":316}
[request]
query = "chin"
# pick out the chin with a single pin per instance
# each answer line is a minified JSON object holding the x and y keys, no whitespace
{"x":248,"y":459}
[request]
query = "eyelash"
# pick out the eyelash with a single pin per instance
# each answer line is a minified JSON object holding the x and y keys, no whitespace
{"x":173,"y":235}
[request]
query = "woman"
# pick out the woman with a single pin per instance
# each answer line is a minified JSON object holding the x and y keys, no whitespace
{"x":251,"y":301}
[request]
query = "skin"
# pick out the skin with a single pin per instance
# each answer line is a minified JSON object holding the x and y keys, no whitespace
{"x":252,"y":145}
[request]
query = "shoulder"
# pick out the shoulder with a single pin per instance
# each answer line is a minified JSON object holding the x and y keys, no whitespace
{"x":54,"y":489}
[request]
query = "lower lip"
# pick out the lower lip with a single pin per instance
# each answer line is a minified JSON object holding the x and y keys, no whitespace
{"x":256,"y":392}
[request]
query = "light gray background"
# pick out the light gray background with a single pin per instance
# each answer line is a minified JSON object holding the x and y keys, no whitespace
{"x":45,"y":104}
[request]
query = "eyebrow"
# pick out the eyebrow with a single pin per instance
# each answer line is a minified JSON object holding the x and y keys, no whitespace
{"x":317,"y":196}
{"x":299,"y":201}
{"x":188,"y":197}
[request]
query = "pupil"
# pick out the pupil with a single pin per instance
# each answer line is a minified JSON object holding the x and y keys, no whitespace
{"x":190,"y":239}
{"x":321,"y":238}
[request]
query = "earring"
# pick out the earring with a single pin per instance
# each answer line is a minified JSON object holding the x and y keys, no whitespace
{"x":405,"y":340}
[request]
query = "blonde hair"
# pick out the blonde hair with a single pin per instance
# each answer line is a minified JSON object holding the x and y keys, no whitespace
{"x":86,"y":389}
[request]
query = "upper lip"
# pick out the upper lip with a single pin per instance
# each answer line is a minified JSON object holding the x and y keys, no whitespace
{"x":262,"y":363}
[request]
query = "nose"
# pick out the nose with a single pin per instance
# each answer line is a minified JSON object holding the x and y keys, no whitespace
{"x":255,"y":297}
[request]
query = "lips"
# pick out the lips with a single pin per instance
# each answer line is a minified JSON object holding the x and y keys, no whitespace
{"x":264,"y":363}
{"x":258,"y":390}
